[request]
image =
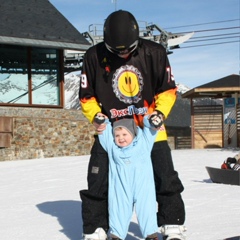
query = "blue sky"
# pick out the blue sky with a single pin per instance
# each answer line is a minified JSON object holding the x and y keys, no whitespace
{"x":192,"y":66}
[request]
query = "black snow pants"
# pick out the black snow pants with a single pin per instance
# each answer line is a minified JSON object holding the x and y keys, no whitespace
{"x":168,"y":189}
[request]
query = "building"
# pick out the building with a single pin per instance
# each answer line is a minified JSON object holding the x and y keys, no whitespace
{"x":33,"y":38}
{"x":216,"y":124}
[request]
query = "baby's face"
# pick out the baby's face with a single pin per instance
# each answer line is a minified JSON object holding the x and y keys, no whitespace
{"x":122,"y":137}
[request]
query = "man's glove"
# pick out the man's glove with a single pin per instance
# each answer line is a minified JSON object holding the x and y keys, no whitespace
{"x":156,"y":120}
{"x":99,"y":119}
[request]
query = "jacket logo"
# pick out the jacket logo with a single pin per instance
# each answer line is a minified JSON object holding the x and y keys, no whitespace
{"x":127,"y":84}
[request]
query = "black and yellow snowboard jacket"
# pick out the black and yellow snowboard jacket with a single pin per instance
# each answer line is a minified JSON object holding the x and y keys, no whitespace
{"x":127,"y":88}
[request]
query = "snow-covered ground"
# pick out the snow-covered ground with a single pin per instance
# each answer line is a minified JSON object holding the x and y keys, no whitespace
{"x":40,"y":198}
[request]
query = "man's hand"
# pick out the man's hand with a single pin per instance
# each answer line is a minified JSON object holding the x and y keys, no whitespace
{"x":99,"y":119}
{"x":98,"y":122}
{"x":156,"y":119}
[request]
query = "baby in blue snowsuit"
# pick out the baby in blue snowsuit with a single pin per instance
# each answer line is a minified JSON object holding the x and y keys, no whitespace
{"x":131,"y":181}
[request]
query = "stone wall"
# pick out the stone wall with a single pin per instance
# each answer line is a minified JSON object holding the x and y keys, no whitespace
{"x":44,"y":133}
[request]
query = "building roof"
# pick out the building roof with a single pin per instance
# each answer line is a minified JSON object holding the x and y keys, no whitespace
{"x":220,"y":88}
{"x":37,"y":23}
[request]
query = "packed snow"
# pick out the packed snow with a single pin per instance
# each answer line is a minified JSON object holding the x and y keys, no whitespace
{"x":40,"y":198}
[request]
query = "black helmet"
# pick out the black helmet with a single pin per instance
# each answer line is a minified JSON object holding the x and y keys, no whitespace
{"x":121,"y":32}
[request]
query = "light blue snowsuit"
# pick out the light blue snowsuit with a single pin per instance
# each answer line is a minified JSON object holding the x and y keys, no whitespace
{"x":131,"y":181}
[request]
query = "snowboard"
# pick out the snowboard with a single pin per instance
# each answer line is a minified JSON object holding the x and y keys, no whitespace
{"x":225,"y":176}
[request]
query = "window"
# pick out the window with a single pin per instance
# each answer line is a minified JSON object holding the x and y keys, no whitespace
{"x":30,"y":76}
